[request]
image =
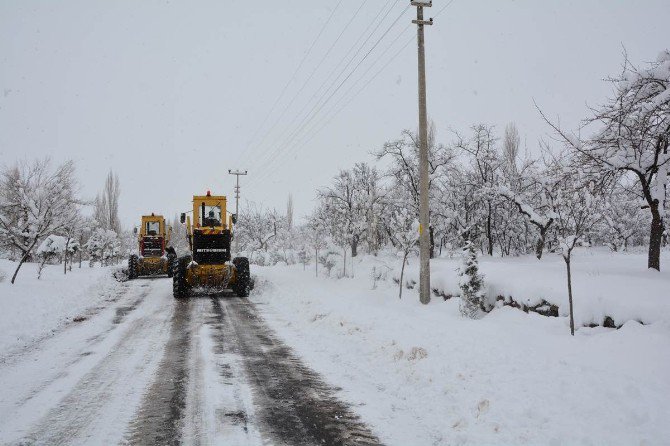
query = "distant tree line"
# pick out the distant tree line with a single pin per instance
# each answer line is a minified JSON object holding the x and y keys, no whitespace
{"x":43,"y":217}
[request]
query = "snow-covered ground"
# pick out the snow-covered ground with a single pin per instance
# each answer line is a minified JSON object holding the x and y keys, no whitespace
{"x":425,"y":375}
{"x":418,"y":375}
{"x":33,"y":309}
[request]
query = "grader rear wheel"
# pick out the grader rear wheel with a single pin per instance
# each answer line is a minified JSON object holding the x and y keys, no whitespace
{"x":180,"y":286}
{"x":132,"y":267}
{"x":242,"y":277}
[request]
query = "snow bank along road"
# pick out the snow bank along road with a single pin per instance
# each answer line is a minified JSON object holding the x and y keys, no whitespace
{"x":149,"y":369}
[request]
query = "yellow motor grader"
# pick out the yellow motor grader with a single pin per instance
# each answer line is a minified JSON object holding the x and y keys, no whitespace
{"x":154,"y":255}
{"x":209,"y":238}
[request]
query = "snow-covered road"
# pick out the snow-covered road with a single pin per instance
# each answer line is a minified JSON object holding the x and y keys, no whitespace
{"x":149,"y":369}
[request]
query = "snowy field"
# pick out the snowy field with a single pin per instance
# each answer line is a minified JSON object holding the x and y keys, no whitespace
{"x":428,"y":376}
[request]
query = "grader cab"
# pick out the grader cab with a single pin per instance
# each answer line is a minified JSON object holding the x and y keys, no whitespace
{"x":154,"y":256}
{"x":209,"y":265}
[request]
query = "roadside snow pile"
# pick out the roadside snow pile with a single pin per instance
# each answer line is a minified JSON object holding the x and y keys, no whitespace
{"x":32,"y":309}
{"x":425,"y":375}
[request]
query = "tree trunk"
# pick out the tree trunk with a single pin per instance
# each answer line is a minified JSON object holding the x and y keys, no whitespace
{"x":539,"y":247}
{"x":354,"y":246}
{"x":572,"y":314}
{"x":23,"y":259}
{"x":41,"y":267}
{"x":344,"y":263}
{"x":431,"y":233}
{"x":402,"y":273}
{"x":489,"y":236}
{"x":655,"y":238}
{"x":67,"y":244}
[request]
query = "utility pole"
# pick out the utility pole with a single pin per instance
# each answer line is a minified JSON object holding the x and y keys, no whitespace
{"x":237,"y":173}
{"x":424,"y":216}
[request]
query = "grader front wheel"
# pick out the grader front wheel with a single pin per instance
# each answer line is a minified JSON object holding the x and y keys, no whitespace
{"x":171,"y":260}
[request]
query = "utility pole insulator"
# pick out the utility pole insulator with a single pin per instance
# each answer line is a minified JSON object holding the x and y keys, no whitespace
{"x":423,"y":22}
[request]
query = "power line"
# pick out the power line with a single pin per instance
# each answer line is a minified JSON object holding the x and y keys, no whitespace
{"x":351,"y":98}
{"x":370,"y":67}
{"x":358,"y":92}
{"x":325,"y":122}
{"x":310,"y":117}
{"x":319,"y":104}
{"x":295,"y":96}
{"x":339,"y":64}
{"x":295,"y":73}
{"x":358,"y":64}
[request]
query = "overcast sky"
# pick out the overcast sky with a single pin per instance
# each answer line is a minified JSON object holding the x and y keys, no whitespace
{"x":172,"y":94}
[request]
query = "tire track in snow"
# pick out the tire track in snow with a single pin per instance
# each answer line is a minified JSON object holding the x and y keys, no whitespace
{"x":219,"y":405}
{"x":160,"y":417}
{"x":100,"y":402}
{"x":293,"y":404}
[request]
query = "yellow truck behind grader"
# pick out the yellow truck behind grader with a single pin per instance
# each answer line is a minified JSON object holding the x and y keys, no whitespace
{"x":208,"y":266}
{"x":154,"y":256}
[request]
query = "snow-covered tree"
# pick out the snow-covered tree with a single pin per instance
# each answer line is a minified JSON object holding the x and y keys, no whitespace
{"x":403,"y":154}
{"x":403,"y":228}
{"x":304,"y":256}
{"x":35,"y":201}
{"x":456,"y":207}
{"x":536,"y":206}
{"x":370,"y":202}
{"x":511,"y":146}
{"x":289,"y":212}
{"x":328,"y":260}
{"x":632,"y":139}
{"x":578,"y":210}
{"x":471,"y":283}
{"x":179,"y":240}
{"x":285,"y":243}
{"x":103,"y":246}
{"x":71,"y":232}
{"x":315,"y":237}
{"x":486,"y":164}
{"x":351,"y":203}
{"x":55,"y":247}
{"x":87,"y":227}
{"x":624,"y":220}
{"x":339,"y":225}
{"x":111,"y":193}
{"x":256,"y":228}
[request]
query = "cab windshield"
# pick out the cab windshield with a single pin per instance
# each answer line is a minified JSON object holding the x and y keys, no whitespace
{"x":211,"y":215}
{"x":153,"y":227}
